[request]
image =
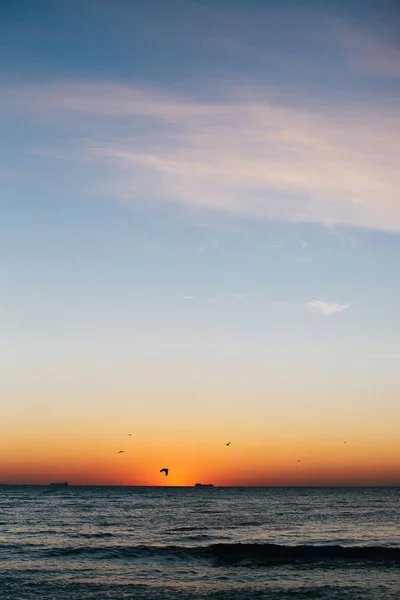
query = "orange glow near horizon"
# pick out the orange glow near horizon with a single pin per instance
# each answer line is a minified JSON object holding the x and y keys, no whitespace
{"x":86,"y":461}
{"x":79,"y":442}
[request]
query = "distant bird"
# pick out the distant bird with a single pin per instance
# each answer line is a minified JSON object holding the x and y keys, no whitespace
{"x":298,"y":460}
{"x":121,"y":452}
{"x":129,"y":434}
{"x":164,"y":471}
{"x":228,"y":444}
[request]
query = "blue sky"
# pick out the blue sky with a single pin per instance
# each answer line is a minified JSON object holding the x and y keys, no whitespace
{"x":201,"y":192}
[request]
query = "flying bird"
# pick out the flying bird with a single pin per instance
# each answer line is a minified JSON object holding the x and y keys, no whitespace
{"x":228,"y":444}
{"x":164,"y":471}
{"x":121,"y":452}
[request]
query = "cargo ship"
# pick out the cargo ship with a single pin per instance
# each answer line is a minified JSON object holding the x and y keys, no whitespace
{"x":59,"y":483}
{"x":207,"y":485}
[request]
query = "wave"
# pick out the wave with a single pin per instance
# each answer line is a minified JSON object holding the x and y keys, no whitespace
{"x":270,"y":554}
{"x":242,"y":554}
{"x":93,"y":535}
{"x":186,"y":528}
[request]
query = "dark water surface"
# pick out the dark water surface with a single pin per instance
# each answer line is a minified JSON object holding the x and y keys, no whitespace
{"x":178,"y":543}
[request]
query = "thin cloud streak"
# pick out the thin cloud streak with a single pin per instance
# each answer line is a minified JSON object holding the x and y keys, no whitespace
{"x":385,"y":356}
{"x":216,"y":300}
{"x":368,"y":52}
{"x":345,"y":238}
{"x":252,"y":154}
{"x":327,"y":308}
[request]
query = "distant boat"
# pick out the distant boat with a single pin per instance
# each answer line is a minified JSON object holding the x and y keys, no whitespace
{"x":59,"y":483}
{"x":204,"y":485}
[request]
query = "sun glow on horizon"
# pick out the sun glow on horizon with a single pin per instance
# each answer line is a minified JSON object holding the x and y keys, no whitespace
{"x":336,"y":462}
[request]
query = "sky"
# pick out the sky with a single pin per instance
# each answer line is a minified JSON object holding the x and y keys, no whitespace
{"x":199,"y":242}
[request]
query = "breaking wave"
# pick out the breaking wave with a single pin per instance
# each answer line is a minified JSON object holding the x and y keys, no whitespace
{"x":242,"y":554}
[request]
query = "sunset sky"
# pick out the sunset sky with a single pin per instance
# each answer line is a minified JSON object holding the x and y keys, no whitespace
{"x":199,"y":241}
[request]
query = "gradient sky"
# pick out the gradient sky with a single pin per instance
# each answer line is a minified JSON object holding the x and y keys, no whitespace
{"x":199,"y":241}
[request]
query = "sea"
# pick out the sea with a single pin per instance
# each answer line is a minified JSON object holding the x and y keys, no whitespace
{"x":191,"y":543}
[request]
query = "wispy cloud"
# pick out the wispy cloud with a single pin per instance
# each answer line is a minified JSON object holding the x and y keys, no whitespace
{"x":384,"y":356}
{"x":253,"y":153}
{"x":345,"y":238}
{"x":367,"y":51}
{"x":303,"y":244}
{"x":215,"y":300}
{"x":327,"y":308}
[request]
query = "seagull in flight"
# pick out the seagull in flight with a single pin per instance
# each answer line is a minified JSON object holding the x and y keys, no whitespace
{"x":228,"y":444}
{"x":121,"y":452}
{"x":164,"y":471}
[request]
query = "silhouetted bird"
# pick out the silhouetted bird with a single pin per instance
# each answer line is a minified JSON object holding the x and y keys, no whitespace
{"x":228,"y":444}
{"x":121,"y":452}
{"x":164,"y":471}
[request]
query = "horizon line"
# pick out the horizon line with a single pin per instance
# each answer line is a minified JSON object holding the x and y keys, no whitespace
{"x":364,"y":485}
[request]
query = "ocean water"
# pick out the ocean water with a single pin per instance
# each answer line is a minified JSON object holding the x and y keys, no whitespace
{"x":181,"y":543}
